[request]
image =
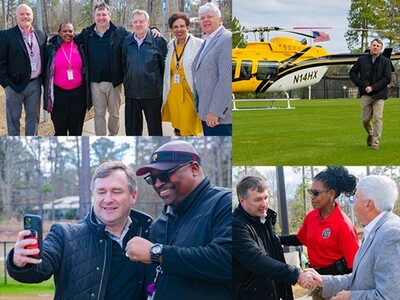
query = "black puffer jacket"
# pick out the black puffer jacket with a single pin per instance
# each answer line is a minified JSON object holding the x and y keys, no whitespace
{"x":143,"y":66}
{"x":378,"y":75}
{"x":79,"y":257}
{"x":259,"y":268}
{"x":118,"y":33}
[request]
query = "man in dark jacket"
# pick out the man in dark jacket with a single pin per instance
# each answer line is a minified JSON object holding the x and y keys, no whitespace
{"x":22,"y":58}
{"x":102,"y":46}
{"x":143,"y":64}
{"x":87,"y":259}
{"x":259,"y":268}
{"x":372,"y":73}
{"x":192,"y":238}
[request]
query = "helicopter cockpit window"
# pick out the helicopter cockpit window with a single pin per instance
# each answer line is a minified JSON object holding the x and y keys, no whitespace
{"x":267,"y":70}
{"x":245,"y":70}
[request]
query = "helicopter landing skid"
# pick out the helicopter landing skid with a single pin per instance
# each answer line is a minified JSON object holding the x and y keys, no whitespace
{"x":267,"y":107}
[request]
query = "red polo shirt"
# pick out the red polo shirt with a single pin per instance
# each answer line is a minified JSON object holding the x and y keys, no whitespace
{"x":329,"y":239}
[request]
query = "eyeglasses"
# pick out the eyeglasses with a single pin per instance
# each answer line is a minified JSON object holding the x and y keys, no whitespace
{"x":164,"y":176}
{"x":316,"y":192}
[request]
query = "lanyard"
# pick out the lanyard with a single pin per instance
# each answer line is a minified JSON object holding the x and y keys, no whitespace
{"x":69,"y":60}
{"x":178,"y":58}
{"x":30,"y":45}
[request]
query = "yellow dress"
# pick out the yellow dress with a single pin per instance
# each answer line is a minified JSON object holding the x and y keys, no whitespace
{"x":179,"y":108}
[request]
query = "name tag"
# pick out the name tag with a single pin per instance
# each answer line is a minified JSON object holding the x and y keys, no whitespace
{"x":70,"y":75}
{"x":177,"y":78}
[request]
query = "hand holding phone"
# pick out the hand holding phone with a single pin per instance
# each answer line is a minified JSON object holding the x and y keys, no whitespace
{"x":23,"y":247}
{"x":33,"y":223}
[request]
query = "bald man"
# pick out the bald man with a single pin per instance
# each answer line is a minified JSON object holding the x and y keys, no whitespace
{"x":22,"y":50}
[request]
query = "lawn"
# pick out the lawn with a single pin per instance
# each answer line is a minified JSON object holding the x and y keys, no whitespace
{"x":316,"y":132}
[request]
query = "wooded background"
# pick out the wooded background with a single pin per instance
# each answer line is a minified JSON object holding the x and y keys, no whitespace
{"x":80,"y":12}
{"x":37,"y":170}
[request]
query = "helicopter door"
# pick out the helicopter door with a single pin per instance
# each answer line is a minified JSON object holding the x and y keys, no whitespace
{"x":267,"y":70}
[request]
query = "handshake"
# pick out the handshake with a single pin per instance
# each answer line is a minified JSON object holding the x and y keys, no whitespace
{"x":309,"y":279}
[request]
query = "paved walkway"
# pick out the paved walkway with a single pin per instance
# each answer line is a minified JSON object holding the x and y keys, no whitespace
{"x":88,"y":127}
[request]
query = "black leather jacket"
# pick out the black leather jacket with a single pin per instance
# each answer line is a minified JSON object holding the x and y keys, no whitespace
{"x":52,"y":47}
{"x":143,"y":66}
{"x":362,"y":75}
{"x":259,"y":268}
{"x":79,"y":257}
{"x":118,"y":33}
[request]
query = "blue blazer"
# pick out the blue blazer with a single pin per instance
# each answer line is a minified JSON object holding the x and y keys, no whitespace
{"x":15,"y":64}
{"x":213,"y":77}
{"x":376,"y":268}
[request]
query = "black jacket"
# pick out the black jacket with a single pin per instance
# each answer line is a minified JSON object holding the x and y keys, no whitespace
{"x":378,"y":75}
{"x":118,"y":33}
{"x":197,"y":254}
{"x":143,"y":66}
{"x":15,"y":65}
{"x":52,"y":47}
{"x":79,"y":257}
{"x":259,"y":268}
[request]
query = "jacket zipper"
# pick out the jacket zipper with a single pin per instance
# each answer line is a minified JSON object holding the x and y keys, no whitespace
{"x":104,"y":267}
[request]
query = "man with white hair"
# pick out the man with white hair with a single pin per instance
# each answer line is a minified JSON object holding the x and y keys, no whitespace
{"x":22,"y":51}
{"x":376,"y":268}
{"x":212,"y":74}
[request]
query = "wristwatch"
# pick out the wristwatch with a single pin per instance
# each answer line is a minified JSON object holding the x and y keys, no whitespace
{"x":155,"y":253}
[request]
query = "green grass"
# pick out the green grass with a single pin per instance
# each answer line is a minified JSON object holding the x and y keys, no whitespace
{"x":46,"y":287}
{"x":15,"y":287}
{"x":317,"y":132}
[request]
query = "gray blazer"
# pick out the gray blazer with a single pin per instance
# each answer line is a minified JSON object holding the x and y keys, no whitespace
{"x":213,"y":77}
{"x":376,"y":268}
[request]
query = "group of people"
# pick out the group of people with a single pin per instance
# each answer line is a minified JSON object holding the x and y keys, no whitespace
{"x":339,"y":267}
{"x":186,"y":82}
{"x":118,"y":252}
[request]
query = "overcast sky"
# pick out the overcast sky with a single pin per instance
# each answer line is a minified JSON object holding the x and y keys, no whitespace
{"x":290,"y":13}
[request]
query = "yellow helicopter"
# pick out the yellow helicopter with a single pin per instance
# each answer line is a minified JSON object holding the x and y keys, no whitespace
{"x":284,"y":63}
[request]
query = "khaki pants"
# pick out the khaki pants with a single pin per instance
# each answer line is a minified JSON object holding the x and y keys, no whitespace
{"x":106,"y":97}
{"x":372,"y":108}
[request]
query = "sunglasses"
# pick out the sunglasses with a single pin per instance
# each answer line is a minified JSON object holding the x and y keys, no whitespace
{"x":316,"y":192}
{"x":164,"y":176}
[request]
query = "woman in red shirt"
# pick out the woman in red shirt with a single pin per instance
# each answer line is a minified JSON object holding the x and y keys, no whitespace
{"x":328,"y":233}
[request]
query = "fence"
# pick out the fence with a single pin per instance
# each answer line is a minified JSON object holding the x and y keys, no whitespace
{"x":5,"y":248}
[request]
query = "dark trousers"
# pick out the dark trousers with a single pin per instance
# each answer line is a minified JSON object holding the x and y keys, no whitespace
{"x":134,"y":117}
{"x":219,"y":130}
{"x":69,"y":110}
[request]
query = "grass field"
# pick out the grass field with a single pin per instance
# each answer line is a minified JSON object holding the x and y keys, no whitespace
{"x":317,"y":132}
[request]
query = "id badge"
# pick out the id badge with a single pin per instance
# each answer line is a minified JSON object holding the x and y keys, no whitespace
{"x":70,"y":75}
{"x":177,"y":78}
{"x":33,"y":66}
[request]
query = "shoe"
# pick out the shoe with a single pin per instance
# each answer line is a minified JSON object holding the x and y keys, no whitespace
{"x":375,"y":147}
{"x":369,"y":140}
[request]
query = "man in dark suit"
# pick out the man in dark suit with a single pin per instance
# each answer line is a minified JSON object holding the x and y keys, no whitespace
{"x":22,"y":51}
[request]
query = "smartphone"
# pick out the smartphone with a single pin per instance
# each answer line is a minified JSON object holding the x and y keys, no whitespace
{"x":34,"y":224}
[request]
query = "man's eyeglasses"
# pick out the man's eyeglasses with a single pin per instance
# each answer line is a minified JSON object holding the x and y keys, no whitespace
{"x":164,"y":176}
{"x":316,"y":192}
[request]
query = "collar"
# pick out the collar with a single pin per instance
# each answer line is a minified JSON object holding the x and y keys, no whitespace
{"x":209,"y":37}
{"x":100,"y":34}
{"x":371,"y":225}
{"x":270,"y":215}
{"x":183,"y":206}
{"x":30,"y":31}
{"x":120,"y":239}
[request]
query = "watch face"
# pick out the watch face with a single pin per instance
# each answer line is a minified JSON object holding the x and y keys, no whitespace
{"x":156,"y":249}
